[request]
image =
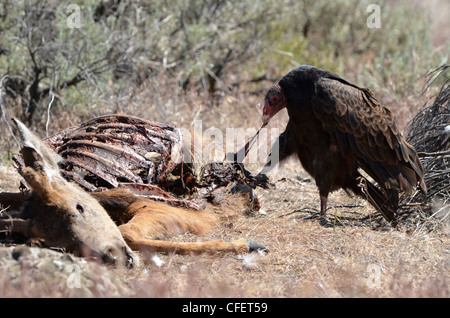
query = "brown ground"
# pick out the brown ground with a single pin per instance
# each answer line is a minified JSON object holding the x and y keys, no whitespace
{"x":353,"y":254}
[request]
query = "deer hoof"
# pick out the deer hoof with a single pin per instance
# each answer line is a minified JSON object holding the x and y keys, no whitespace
{"x":254,"y":246}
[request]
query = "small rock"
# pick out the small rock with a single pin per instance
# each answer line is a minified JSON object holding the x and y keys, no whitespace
{"x":20,"y":251}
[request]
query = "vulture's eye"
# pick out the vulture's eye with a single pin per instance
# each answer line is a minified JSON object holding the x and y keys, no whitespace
{"x":274,"y":100}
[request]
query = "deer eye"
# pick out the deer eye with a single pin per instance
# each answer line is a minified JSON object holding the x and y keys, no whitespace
{"x":80,"y":208}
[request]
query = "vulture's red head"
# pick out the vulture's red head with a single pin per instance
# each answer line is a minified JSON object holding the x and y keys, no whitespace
{"x":274,"y":102}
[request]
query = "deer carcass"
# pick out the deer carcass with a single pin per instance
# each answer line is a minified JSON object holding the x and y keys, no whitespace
{"x":128,"y":163}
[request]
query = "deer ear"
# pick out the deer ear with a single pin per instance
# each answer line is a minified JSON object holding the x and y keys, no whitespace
{"x":34,"y":150}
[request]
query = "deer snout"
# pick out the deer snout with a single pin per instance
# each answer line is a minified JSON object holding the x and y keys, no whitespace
{"x":132,"y":260}
{"x":120,"y":256}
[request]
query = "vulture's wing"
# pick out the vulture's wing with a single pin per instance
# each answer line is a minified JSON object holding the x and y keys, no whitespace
{"x":368,"y":130}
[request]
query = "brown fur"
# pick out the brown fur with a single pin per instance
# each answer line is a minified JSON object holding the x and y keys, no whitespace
{"x":144,"y":222}
{"x":153,"y":219}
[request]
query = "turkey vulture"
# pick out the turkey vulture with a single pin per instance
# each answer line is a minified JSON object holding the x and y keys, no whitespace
{"x":336,"y":128}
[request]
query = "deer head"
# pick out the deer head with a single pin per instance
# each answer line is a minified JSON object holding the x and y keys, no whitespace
{"x":61,"y":213}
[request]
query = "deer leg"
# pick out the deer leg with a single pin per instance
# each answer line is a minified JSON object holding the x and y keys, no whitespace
{"x":217,"y":246}
{"x":156,"y":219}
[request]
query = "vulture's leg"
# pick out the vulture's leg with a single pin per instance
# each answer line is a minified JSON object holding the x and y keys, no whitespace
{"x":323,"y":192}
{"x":323,"y":204}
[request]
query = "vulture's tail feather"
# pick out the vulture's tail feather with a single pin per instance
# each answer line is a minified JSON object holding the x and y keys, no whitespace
{"x":386,"y":202}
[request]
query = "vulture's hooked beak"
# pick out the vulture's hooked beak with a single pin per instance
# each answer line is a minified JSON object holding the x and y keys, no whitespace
{"x":266,"y":113}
